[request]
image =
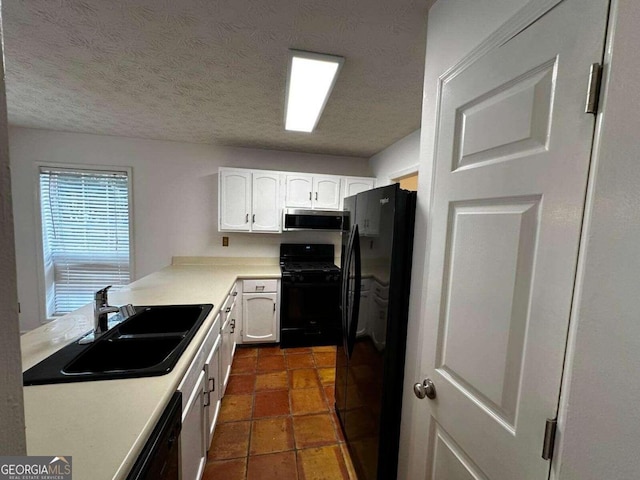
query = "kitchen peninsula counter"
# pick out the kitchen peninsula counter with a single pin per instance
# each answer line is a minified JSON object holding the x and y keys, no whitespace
{"x":104,"y":425}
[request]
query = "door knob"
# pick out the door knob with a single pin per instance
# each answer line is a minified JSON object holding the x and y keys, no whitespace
{"x":425,"y":389}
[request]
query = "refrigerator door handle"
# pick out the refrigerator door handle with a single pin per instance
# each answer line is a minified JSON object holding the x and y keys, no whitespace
{"x":355,"y":307}
{"x":345,"y":292}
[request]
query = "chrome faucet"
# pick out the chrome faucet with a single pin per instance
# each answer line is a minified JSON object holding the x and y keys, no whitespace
{"x":101,"y":309}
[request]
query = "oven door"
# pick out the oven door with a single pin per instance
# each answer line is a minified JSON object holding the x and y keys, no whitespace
{"x":310,"y":313}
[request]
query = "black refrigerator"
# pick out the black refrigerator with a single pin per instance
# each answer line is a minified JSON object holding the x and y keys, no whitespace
{"x":377,"y":242}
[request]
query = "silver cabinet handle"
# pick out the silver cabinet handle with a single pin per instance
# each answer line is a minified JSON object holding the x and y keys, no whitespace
{"x":310,"y":193}
{"x":259,"y":288}
{"x":316,"y":195}
{"x":233,"y":325}
{"x":246,"y":218}
{"x":227,"y":310}
{"x":207,"y":396}
{"x":235,"y":293}
{"x":253,"y":218}
{"x":212,"y":384}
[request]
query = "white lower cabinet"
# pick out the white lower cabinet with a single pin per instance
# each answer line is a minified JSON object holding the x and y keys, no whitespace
{"x":203,"y":387}
{"x":200,"y":405}
{"x":226,"y":354}
{"x":193,"y":450}
{"x":233,"y":327}
{"x":260,"y":311}
{"x":214,"y":395}
{"x":260,"y":315}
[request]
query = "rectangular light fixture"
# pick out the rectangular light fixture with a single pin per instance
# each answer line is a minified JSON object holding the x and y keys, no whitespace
{"x":309,"y":84}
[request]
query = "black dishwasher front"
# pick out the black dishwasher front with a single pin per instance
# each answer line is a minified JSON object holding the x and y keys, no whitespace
{"x":160,"y":458}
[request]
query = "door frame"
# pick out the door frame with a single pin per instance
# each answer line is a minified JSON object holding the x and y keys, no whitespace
{"x":404,"y":172}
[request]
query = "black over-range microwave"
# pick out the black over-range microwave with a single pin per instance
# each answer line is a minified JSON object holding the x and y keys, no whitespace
{"x":296,"y":219}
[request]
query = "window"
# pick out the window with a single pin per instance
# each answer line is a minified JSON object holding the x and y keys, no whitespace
{"x":85,"y":234}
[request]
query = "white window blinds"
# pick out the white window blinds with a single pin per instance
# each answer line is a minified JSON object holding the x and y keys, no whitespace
{"x":85,"y":234}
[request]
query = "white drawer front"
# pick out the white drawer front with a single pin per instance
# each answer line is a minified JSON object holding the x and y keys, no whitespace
{"x":259,"y":286}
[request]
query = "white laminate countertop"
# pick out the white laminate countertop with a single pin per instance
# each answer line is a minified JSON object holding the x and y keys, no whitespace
{"x":103,"y":425}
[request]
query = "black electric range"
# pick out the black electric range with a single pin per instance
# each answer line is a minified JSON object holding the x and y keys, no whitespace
{"x":310,"y":303}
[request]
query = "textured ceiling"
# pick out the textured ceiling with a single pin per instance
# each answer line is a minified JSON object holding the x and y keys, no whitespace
{"x":214,"y":71}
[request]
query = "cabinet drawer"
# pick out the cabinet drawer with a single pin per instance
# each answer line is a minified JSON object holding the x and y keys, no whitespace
{"x":259,"y":286}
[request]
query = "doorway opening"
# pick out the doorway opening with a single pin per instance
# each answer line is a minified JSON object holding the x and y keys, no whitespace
{"x":408,"y":182}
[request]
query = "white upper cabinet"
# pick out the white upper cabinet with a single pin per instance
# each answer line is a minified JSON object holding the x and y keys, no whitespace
{"x":266,"y":202}
{"x":253,"y":200}
{"x":326,"y":192}
{"x":235,"y":200}
{"x":299,"y":191}
{"x":249,"y":201}
{"x":355,"y":185}
{"x":313,"y":191}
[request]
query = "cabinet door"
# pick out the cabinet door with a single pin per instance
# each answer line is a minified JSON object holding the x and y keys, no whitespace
{"x":234,"y":200}
{"x":326,"y":192}
{"x":212,"y":372}
{"x":266,"y":206}
{"x":233,"y":326}
{"x":193,"y":449}
{"x":226,"y":349}
{"x":259,"y":317}
{"x":299,"y":191}
{"x":236,"y":326}
{"x":355,"y":185}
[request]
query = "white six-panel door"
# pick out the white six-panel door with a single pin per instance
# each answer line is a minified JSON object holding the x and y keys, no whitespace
{"x":511,"y":166}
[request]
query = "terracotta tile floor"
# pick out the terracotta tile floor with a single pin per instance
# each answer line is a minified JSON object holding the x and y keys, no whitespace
{"x":277,"y":419}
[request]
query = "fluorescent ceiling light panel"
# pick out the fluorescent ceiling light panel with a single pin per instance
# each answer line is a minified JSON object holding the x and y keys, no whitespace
{"x":311,"y":79}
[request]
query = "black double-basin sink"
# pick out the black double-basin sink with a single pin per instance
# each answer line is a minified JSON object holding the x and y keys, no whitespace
{"x":147,"y":344}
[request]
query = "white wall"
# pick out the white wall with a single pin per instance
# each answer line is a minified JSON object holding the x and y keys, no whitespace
{"x":402,"y":156}
{"x":175,"y":188}
{"x":12,"y":433}
{"x":454,"y":28}
{"x":599,"y":416}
